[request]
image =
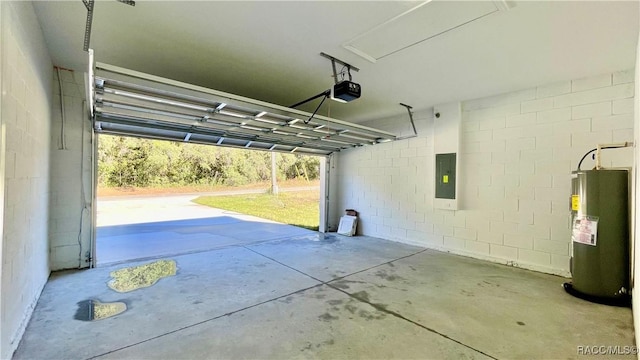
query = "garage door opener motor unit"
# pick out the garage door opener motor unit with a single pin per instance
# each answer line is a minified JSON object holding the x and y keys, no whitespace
{"x":345,"y":91}
{"x":600,"y":265}
{"x":341,"y":91}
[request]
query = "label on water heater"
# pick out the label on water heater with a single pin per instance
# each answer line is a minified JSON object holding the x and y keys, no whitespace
{"x":575,"y":202}
{"x":585,"y":230}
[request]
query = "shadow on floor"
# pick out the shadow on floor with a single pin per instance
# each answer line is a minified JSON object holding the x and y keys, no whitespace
{"x":127,"y":242}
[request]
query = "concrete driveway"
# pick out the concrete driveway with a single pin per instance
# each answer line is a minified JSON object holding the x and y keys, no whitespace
{"x":153,"y":226}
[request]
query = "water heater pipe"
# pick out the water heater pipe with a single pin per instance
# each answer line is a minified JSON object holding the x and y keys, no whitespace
{"x":601,"y":147}
{"x":609,"y":146}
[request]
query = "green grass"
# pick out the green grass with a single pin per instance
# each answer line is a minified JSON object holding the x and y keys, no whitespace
{"x":294,"y":208}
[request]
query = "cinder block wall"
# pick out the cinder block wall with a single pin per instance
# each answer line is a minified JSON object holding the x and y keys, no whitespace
{"x":517,"y":153}
{"x":71,"y":188}
{"x":636,"y":200}
{"x":25,"y":119}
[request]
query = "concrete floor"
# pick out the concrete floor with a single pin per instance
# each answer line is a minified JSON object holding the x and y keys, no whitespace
{"x":317,"y":296}
{"x":145,"y":227}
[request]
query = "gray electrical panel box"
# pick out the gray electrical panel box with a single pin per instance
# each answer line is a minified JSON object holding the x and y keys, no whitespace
{"x":446,"y":176}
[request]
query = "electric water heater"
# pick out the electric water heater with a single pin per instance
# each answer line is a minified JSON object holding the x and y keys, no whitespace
{"x":600,"y":230}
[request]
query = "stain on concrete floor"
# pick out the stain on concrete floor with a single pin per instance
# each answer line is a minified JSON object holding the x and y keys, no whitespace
{"x":137,"y":277}
{"x":92,"y":310}
{"x":389,"y":277}
{"x":328,"y":317}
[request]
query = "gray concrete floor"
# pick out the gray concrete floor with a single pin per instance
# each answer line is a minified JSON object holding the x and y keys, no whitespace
{"x":142,"y":227}
{"x":317,"y":296}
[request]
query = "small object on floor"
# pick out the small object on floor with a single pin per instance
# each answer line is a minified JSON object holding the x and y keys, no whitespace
{"x":348,"y":225}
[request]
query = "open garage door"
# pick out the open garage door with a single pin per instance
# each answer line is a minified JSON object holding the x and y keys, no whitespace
{"x":130,"y":103}
{"x":127,"y":102}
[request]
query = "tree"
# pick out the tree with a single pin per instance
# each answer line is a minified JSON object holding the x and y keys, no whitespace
{"x":125,"y":161}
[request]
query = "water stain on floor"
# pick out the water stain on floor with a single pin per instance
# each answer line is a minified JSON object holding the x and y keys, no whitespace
{"x":467,"y":293}
{"x":389,"y":277}
{"x":353,"y":309}
{"x":328,"y":317}
{"x":368,"y":315}
{"x":92,"y":310}
{"x":328,"y":240}
{"x":344,"y":284}
{"x":362,"y":296}
{"x":136,"y":277}
{"x":326,"y":343}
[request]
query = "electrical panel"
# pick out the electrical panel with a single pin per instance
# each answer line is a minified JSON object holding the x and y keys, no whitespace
{"x":446,"y":147}
{"x":446,"y":176}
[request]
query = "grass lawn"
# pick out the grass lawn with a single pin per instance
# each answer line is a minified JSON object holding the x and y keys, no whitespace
{"x":299,"y":208}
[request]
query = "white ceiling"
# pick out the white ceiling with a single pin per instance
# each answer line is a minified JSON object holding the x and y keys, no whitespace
{"x":270,"y":50}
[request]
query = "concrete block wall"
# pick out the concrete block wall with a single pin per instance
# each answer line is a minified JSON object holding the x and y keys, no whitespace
{"x":71,"y":188}
{"x":635,"y":248}
{"x":25,"y":121}
{"x":517,"y":154}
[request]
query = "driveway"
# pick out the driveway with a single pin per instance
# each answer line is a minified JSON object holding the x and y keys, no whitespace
{"x":153,"y":226}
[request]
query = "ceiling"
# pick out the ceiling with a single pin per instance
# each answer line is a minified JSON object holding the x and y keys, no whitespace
{"x":270,"y":50}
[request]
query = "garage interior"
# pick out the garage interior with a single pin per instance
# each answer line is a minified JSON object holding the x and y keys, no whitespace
{"x":518,"y":91}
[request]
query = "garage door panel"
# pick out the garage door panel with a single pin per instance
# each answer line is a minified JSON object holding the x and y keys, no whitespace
{"x":148,"y":104}
{"x":177,"y":132}
{"x":157,"y":118}
{"x":155,"y":107}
